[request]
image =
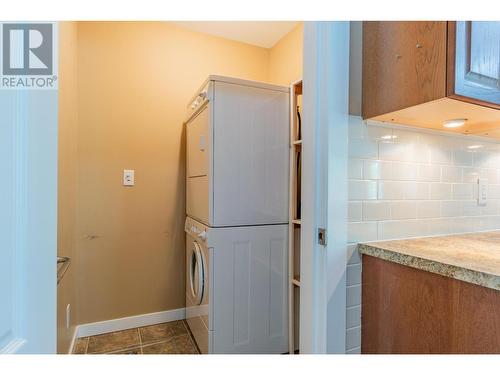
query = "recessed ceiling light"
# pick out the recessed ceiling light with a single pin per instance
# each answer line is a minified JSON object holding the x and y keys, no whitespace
{"x":474,"y":147}
{"x":388,"y":137}
{"x":454,"y":123}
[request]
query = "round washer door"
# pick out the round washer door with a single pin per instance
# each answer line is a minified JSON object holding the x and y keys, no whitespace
{"x":197,"y":274}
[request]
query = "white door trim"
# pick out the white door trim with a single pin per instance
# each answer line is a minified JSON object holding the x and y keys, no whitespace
{"x":28,"y":202}
{"x":324,"y":194}
{"x":28,"y":219}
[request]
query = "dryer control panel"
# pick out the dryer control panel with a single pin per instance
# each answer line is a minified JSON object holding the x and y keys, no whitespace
{"x":203,"y":96}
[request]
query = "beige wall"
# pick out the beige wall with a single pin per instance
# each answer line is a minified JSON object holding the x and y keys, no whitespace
{"x":134,"y":81}
{"x":67,"y":184}
{"x":285,"y":57}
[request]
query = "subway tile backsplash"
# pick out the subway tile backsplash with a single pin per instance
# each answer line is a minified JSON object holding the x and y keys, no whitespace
{"x":404,"y":183}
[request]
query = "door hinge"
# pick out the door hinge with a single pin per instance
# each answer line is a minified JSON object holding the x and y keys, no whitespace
{"x":322,"y":236}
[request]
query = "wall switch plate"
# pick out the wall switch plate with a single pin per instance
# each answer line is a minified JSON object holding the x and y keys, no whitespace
{"x":128,"y":177}
{"x":68,"y":315}
{"x":482,"y":191}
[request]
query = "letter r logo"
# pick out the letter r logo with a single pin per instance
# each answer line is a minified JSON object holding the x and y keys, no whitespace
{"x":27,"y":49}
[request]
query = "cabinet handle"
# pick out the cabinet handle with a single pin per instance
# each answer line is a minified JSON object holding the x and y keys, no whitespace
{"x":419,"y":45}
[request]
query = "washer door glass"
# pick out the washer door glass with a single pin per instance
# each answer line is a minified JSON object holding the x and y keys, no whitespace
{"x":196,"y":274}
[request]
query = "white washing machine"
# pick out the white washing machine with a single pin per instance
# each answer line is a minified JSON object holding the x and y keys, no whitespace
{"x":197,"y":283}
{"x":238,"y":153}
{"x":236,"y":288}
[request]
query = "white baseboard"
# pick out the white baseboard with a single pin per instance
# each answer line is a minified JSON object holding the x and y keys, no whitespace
{"x":106,"y":326}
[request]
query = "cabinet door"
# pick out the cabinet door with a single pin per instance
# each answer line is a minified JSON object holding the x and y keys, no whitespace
{"x":477,"y":61}
{"x":404,"y":64}
{"x":251,"y":155}
{"x":249,"y":288}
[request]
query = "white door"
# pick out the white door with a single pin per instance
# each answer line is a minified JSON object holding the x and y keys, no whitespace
{"x":28,"y":207}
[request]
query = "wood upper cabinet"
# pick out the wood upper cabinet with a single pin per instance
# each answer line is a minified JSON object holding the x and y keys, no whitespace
{"x":474,"y":57}
{"x":425,"y":72}
{"x":404,"y":64}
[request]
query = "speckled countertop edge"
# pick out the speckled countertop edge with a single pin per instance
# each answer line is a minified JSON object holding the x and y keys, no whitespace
{"x":474,"y":277}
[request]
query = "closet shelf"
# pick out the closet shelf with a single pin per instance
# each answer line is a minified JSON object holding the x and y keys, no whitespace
{"x":295,"y":224}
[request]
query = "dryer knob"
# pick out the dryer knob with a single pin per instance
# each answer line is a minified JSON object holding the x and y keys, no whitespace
{"x":202,"y":235}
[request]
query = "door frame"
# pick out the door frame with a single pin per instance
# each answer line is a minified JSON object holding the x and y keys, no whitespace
{"x":324,"y":196}
{"x":33,"y":248}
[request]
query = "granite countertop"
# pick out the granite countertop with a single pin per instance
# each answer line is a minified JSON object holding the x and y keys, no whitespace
{"x":472,"y":257}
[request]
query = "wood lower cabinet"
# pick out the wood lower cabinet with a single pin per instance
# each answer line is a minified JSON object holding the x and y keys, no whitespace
{"x":410,"y":311}
{"x":422,"y":73}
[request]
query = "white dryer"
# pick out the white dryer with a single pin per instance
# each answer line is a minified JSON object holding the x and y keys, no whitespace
{"x":238,"y":153}
{"x":236,"y":288}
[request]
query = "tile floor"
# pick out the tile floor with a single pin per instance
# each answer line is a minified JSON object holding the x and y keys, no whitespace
{"x":165,"y":338}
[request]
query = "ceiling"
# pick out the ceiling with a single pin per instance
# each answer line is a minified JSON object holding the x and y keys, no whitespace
{"x":258,"y":33}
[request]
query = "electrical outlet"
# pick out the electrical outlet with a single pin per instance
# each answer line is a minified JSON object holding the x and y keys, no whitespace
{"x":68,"y":315}
{"x":482,"y":191}
{"x":128,"y":177}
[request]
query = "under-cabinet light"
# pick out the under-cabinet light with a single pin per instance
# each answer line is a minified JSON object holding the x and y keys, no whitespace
{"x":474,"y":147}
{"x":388,"y":137}
{"x":454,"y":123}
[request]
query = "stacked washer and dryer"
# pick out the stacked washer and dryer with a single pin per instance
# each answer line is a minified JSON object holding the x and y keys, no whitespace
{"x":237,"y":216}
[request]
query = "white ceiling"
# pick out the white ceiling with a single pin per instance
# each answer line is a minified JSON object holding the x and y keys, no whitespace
{"x":258,"y":33}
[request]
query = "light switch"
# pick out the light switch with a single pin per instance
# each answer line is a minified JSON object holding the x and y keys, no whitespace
{"x":482,"y":191}
{"x":128,"y":177}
